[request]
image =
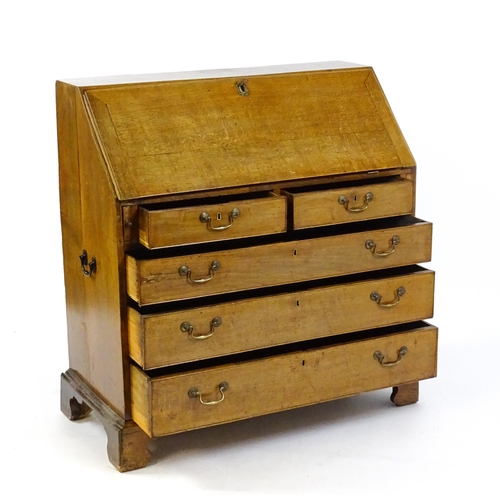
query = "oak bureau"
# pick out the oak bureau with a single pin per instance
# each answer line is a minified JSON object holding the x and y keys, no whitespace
{"x":237,"y":243}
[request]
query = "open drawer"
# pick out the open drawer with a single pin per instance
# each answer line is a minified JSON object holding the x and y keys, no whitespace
{"x":351,"y":202}
{"x":315,"y":254}
{"x":213,"y":219}
{"x":174,"y":402}
{"x":179,"y":335}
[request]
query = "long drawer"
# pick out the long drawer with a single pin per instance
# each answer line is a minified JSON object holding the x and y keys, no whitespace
{"x":173,"y":403}
{"x":151,"y":281}
{"x":163,"y":339}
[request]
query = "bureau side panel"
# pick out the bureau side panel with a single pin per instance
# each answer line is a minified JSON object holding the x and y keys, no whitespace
{"x":71,"y":226}
{"x":104,"y":293}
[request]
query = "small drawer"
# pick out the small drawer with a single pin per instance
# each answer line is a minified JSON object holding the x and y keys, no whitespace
{"x":164,"y":339}
{"x":323,"y":207}
{"x":398,"y":242}
{"x":240,"y":218}
{"x":170,"y":403}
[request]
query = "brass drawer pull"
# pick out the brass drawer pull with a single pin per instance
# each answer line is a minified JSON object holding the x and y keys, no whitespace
{"x":372,"y":246}
{"x":367,"y":198}
{"x":185,"y":271}
{"x":375,"y":296}
{"x":195,"y":393}
{"x":205,"y":218}
{"x":187,"y":327}
{"x":380,"y":357}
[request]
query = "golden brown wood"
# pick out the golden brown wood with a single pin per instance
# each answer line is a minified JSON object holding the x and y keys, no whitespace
{"x":405,"y":394}
{"x":104,"y":295}
{"x":136,"y":343}
{"x":131,"y":155}
{"x":181,"y":226}
{"x":322,"y":208}
{"x":141,"y":401}
{"x":277,"y":187}
{"x":130,"y":219}
{"x":127,"y":446}
{"x":387,"y":117}
{"x":71,"y":225}
{"x":91,"y":221}
{"x":72,"y":403}
{"x":127,"y":443}
{"x":282,"y":382}
{"x":157,"y":340}
{"x":158,"y":280}
{"x":184,"y":136}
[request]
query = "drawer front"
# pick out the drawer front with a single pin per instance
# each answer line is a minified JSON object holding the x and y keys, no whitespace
{"x":162,"y":405}
{"x":205,"y":223}
{"x":337,"y":206}
{"x":177,"y":337}
{"x":160,"y":280}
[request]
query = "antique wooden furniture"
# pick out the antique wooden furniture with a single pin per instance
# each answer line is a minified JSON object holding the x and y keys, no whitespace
{"x":237,"y":243}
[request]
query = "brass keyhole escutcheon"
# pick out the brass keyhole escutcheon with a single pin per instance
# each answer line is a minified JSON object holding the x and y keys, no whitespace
{"x":242,"y":88}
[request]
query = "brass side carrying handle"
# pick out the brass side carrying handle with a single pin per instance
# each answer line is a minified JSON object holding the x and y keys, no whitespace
{"x":367,"y":198}
{"x":84,"y":261}
{"x":233,"y":214}
{"x":187,"y":327}
{"x":195,"y":393}
{"x":185,"y":271}
{"x":377,"y":355}
{"x":372,"y":246}
{"x":376,"y":297}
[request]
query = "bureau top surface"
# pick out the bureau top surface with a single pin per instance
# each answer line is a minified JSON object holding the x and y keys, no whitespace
{"x":189,"y":133}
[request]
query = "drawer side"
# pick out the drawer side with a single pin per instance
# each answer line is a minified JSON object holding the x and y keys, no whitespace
{"x":141,"y":399}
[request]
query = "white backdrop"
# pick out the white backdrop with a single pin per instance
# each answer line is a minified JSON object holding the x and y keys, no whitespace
{"x":437,"y":63}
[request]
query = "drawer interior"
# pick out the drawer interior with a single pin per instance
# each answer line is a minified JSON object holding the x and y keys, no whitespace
{"x":157,"y":278}
{"x":282,"y":289}
{"x":296,"y":235}
{"x":182,"y":333}
{"x":366,"y":181}
{"x":209,"y":200}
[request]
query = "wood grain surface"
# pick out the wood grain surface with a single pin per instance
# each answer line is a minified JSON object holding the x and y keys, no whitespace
{"x":280,"y":382}
{"x":184,"y":136}
{"x":156,"y":340}
{"x":322,"y":207}
{"x":158,"y":280}
{"x":182,"y":226}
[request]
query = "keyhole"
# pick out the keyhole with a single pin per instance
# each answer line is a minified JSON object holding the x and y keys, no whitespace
{"x":355,"y":198}
{"x":242,"y":88}
{"x":219,"y":216}
{"x":298,"y":303}
{"x":295,"y":252}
